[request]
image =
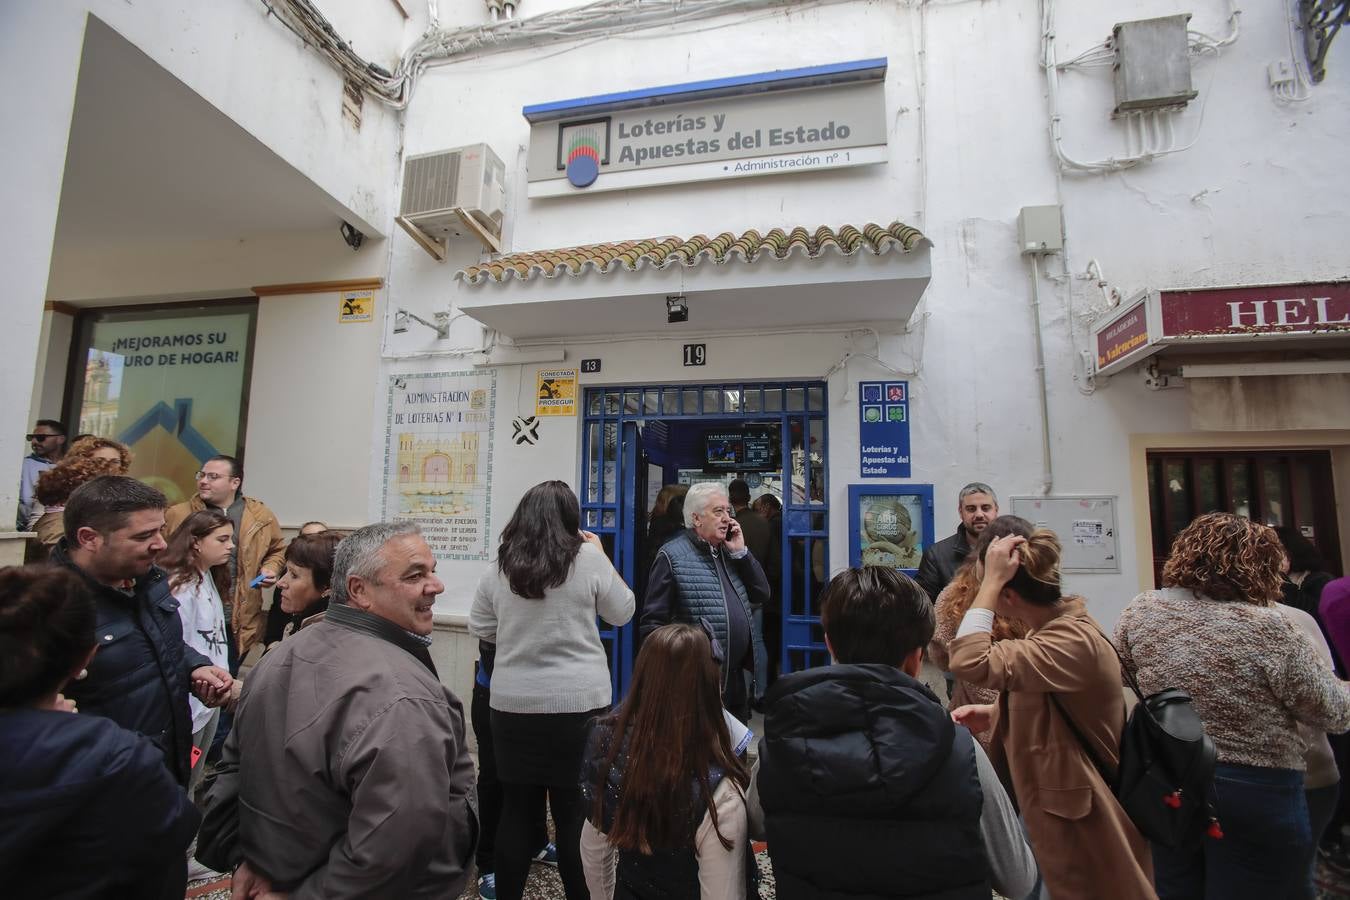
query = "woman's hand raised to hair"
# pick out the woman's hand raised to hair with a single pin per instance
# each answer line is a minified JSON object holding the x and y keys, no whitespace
{"x":1002,"y":559}
{"x":593,"y":539}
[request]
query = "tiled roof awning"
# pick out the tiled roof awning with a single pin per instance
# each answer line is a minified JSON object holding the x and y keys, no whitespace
{"x":780,"y":278}
{"x":698,"y":250}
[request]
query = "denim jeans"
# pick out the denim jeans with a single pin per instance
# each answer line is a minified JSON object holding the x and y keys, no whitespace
{"x":1321,"y":807}
{"x":1264,"y":851}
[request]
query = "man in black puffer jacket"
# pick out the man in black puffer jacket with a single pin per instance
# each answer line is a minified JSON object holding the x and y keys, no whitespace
{"x":864,"y":787}
{"x":143,"y":670}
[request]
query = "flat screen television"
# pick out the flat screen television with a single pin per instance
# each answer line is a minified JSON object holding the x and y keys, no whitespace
{"x":725,"y":449}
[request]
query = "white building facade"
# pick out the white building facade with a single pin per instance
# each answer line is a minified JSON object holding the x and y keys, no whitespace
{"x":569,"y":365}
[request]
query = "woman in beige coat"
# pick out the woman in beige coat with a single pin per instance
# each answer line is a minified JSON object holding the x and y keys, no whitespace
{"x":1084,"y":842}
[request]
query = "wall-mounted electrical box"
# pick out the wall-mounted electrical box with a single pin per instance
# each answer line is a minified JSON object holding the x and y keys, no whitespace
{"x":1153,"y":64}
{"x":1040,"y":229}
{"x":1086,"y":527}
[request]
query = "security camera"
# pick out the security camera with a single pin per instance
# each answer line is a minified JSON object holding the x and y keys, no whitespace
{"x":677,"y":309}
{"x":352,"y":235}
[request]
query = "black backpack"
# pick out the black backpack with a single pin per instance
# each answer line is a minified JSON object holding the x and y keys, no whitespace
{"x":1166,"y":766}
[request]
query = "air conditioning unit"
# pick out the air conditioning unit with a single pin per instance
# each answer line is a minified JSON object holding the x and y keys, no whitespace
{"x":453,"y":194}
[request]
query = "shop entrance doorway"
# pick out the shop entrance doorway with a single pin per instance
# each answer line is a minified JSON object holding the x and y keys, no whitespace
{"x":636,"y":439}
{"x":1275,"y":487}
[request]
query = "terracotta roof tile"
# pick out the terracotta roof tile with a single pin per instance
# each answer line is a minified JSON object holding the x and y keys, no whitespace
{"x":667,"y":251}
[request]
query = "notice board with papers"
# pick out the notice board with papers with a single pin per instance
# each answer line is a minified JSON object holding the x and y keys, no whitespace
{"x":1086,"y":527}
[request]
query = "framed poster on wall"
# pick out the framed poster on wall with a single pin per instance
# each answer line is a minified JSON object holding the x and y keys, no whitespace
{"x":438,"y":458}
{"x":889,"y":525}
{"x":171,"y":381}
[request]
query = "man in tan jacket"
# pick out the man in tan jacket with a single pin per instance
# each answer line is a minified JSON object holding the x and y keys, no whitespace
{"x":258,"y":545}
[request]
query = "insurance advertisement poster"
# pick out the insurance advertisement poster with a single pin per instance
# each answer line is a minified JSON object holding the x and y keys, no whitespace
{"x":170,"y":387}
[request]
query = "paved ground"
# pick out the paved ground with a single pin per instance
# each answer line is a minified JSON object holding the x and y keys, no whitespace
{"x":544,"y":884}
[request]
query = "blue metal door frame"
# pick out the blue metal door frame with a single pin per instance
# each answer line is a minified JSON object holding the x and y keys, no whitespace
{"x":611,"y":456}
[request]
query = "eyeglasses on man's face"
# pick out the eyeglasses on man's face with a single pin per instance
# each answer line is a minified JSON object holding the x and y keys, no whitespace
{"x":38,"y":436}
{"x":210,"y":476}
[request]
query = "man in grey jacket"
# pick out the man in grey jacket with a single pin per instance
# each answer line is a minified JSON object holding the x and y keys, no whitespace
{"x":347,"y":766}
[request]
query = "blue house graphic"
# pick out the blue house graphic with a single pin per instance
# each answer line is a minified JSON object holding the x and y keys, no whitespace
{"x":177,"y":421}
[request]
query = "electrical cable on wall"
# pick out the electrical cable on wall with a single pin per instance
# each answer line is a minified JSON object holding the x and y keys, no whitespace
{"x":1148,"y":134}
{"x":1288,"y":81}
{"x":601,"y":19}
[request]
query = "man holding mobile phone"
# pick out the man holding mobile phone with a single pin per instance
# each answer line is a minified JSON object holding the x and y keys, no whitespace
{"x":706,"y":574}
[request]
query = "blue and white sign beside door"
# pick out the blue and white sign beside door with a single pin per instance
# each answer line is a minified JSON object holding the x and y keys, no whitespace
{"x":883,"y":429}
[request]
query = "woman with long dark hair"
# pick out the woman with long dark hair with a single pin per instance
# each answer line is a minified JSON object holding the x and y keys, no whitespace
{"x":1061,"y":681}
{"x":196,"y":560}
{"x":1214,"y":630}
{"x":87,"y":808}
{"x":664,"y":787}
{"x":550,"y":676}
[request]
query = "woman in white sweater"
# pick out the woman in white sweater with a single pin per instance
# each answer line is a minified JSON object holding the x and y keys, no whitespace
{"x":551,"y":676}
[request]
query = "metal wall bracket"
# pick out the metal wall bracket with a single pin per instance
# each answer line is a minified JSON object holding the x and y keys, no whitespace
{"x":441,"y":325}
{"x":1320,"y":21}
{"x":1155,"y":379}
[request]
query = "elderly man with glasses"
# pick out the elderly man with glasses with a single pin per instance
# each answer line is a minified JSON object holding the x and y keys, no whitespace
{"x":48,"y":440}
{"x":705,"y":575}
{"x":257,"y":560}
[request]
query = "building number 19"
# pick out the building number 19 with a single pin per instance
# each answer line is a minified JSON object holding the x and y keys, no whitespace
{"x":695,"y":354}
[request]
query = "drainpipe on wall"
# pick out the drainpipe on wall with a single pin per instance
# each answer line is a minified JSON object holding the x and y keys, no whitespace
{"x":1048,"y":474}
{"x":1040,"y":231}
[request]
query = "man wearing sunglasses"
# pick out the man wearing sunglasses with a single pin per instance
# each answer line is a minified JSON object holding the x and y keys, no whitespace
{"x":48,"y":440}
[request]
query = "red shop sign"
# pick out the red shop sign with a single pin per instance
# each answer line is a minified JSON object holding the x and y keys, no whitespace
{"x":1228,"y":313}
{"x":1122,"y":340}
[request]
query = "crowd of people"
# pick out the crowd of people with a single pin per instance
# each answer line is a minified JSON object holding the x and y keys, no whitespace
{"x":341,"y":764}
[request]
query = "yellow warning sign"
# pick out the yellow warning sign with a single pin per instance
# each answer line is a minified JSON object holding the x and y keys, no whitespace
{"x":357,"y":306}
{"x":556,"y":392}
